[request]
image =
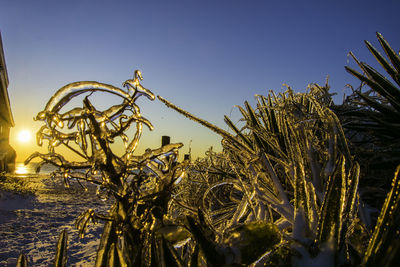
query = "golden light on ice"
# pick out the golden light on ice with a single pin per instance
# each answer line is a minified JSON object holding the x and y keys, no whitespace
{"x":24,"y":136}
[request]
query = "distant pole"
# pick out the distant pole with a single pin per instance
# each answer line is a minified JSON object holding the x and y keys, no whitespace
{"x":165,"y":140}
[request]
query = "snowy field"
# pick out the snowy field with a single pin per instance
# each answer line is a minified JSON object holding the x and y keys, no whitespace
{"x":31,"y":223}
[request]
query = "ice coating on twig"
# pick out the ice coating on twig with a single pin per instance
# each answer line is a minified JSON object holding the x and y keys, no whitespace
{"x":89,"y":133}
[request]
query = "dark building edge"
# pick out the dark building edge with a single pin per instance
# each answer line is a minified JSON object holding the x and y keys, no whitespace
{"x":7,"y":153}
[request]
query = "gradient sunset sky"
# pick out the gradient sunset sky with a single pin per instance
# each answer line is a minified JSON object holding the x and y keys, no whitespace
{"x":204,"y":56}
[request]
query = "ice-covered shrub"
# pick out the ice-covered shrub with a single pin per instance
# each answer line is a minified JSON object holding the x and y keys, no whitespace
{"x":290,"y":166}
{"x":140,"y":184}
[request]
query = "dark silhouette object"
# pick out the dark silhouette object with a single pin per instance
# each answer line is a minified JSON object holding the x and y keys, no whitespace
{"x":165,"y":140}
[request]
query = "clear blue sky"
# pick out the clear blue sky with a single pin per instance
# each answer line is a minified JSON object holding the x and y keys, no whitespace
{"x":205,"y":56}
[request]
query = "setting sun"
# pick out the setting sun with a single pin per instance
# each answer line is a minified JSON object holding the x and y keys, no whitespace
{"x":24,"y":136}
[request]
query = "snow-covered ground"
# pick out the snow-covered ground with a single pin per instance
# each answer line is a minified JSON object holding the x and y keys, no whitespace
{"x":31,"y":223}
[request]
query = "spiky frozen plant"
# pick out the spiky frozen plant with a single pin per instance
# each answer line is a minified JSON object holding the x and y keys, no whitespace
{"x":383,"y":102}
{"x":290,"y":166}
{"x":371,"y":120}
